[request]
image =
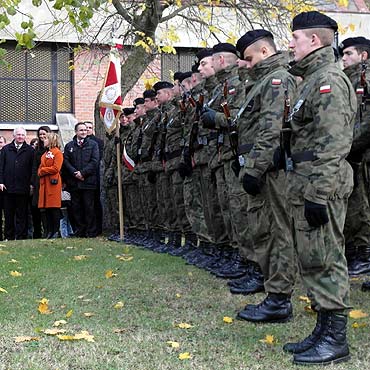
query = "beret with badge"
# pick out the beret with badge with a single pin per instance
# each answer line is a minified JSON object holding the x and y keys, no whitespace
{"x":313,"y":19}
{"x":224,"y":47}
{"x":353,"y":41}
{"x":162,"y":85}
{"x":250,"y":38}
{"x":149,"y":94}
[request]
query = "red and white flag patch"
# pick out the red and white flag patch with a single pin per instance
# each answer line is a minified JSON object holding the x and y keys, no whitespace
{"x":325,"y":89}
{"x":276,"y":81}
{"x":232,"y":91}
{"x":360,"y":91}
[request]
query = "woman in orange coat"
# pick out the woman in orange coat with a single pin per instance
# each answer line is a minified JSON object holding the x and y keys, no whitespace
{"x":51,"y":183}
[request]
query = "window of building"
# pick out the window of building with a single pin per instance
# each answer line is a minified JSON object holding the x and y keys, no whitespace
{"x":37,"y":86}
{"x":181,"y":61}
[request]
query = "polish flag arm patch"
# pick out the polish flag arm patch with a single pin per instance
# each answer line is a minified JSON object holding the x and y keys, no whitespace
{"x":276,"y":81}
{"x":325,"y":89}
{"x":360,"y":91}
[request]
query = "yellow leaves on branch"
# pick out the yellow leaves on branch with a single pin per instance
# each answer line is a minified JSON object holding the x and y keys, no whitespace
{"x":185,"y":356}
{"x":184,"y":325}
{"x":227,"y":320}
{"x":44,"y":307}
{"x":357,"y":314}
{"x":148,"y":83}
{"x":343,"y":3}
{"x":15,"y":273}
{"x":24,"y":338}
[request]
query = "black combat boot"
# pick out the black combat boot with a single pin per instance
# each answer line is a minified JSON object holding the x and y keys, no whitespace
{"x":275,"y":308}
{"x":191,"y":242}
{"x":352,"y":258}
{"x":331,"y":347}
{"x":308,"y":342}
{"x":365,"y":286}
{"x":252,"y":283}
{"x":235,"y":269}
{"x":362,"y":265}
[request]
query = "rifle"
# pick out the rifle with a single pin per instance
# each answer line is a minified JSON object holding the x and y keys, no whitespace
{"x":198,"y":105}
{"x":162,"y":148}
{"x":139,"y":142}
{"x":286,"y":133}
{"x":155,"y":134}
{"x":363,"y":84}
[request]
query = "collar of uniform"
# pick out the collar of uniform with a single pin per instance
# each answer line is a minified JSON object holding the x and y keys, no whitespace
{"x":313,"y":62}
{"x":266,"y":66}
{"x":227,"y":73}
{"x":151,"y":113}
{"x":353,"y":72}
{"x":166,"y":106}
{"x":243,"y":74}
{"x":210,"y":83}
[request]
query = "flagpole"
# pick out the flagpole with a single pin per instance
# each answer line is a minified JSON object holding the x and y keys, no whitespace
{"x":119,"y":175}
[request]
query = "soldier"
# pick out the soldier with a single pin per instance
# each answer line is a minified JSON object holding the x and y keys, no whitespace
{"x":355,"y":54}
{"x":319,"y":182}
{"x":259,"y":124}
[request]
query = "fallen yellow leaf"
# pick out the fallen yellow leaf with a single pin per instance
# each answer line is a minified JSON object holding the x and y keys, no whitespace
{"x":53,"y":331}
{"x":357,"y":314}
{"x":88,"y":249}
{"x":109,"y":274}
{"x":4,"y":252}
{"x":173,"y":344}
{"x":69,"y":313}
{"x":15,"y":273}
{"x":85,"y":335}
{"x":184,"y":325}
{"x":66,"y":337}
{"x":88,"y":314}
{"x":304,"y":299}
{"x":59,"y":323}
{"x":269,"y":339}
{"x":184,"y":356}
{"x":227,"y":319}
{"x":80,"y":258}
{"x":118,"y":305}
{"x":22,"y":338}
{"x":2,"y":290}
{"x":70,"y":247}
{"x":13,"y":261}
{"x":356,"y":325}
{"x":309,"y":309}
{"x":119,"y":331}
{"x":178,"y":295}
{"x":190,"y":273}
{"x":44,"y":307}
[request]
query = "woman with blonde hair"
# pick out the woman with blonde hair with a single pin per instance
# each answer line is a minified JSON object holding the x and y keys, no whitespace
{"x":51,"y":183}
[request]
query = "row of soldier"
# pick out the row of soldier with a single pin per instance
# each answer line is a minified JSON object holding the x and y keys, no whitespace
{"x":245,"y":156}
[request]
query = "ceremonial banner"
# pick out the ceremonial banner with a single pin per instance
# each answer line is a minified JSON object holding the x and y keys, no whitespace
{"x":129,"y":162}
{"x":110,"y":97}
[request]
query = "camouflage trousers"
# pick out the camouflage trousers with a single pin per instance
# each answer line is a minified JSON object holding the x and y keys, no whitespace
{"x":166,"y":208}
{"x":111,"y":210}
{"x":357,"y":224}
{"x":321,"y":260}
{"x":148,"y":197}
{"x":181,"y":223}
{"x":269,"y":227}
{"x":238,"y":206}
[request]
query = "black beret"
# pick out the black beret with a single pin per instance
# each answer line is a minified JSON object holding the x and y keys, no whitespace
{"x":194,"y":68}
{"x":149,"y":94}
{"x":353,"y":41}
{"x":224,"y":47}
{"x":250,"y":38}
{"x":128,"y":111}
{"x":162,"y":85}
{"x":204,"y":53}
{"x":313,"y":19}
{"x":184,"y":75}
{"x":177,"y":75}
{"x":138,"y":101}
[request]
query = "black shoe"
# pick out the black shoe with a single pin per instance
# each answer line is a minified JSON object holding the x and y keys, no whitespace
{"x":253,"y":283}
{"x":331,"y":347}
{"x":308,"y":342}
{"x":361,"y":263}
{"x":233,"y":271}
{"x":275,"y":308}
{"x":366,"y":286}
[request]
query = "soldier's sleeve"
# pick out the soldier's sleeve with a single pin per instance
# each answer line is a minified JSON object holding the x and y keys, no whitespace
{"x":333,"y":111}
{"x":270,"y":122}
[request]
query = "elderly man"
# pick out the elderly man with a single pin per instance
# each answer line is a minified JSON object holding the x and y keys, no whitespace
{"x":15,"y":181}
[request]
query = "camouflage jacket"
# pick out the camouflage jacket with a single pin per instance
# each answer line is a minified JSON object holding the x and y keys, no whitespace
{"x":231,"y":90}
{"x":110,"y":163}
{"x":260,"y":123}
{"x":322,"y":126}
{"x":361,"y":132}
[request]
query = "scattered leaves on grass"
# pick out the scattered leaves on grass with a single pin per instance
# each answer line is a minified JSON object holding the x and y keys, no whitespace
{"x":82,"y":335}
{"x":54,"y":331}
{"x":110,"y":274}
{"x":269,"y":339}
{"x":4,"y":252}
{"x":190,"y":273}
{"x":15,"y":273}
{"x":119,"y":331}
{"x":44,"y":307}
{"x":357,"y":314}
{"x":69,"y":313}
{"x":178,"y":295}
{"x":124,"y":258}
{"x":80,"y":257}
{"x":227,"y":319}
{"x":24,"y":338}
{"x":309,"y":309}
{"x":184,"y":356}
{"x":2,"y":290}
{"x":357,"y":325}
{"x":59,"y":323}
{"x":184,"y":325}
{"x":13,"y":261}
{"x":118,"y":305}
{"x":88,"y":314}
{"x":88,"y":249}
{"x":173,"y":344}
{"x":304,"y":298}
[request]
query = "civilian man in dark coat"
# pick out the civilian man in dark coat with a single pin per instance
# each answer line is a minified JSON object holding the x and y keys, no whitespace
{"x":15,"y":181}
{"x":81,"y":158}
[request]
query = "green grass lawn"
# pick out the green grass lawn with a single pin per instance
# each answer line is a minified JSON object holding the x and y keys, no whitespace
{"x":158,"y":293}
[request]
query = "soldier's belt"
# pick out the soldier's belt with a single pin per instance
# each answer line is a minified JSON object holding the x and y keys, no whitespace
{"x":244,"y":148}
{"x":304,"y":156}
{"x":173,"y":154}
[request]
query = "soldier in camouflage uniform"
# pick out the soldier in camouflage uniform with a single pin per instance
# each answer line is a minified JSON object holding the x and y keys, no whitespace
{"x":355,"y":56}
{"x":319,"y":182}
{"x":259,"y":126}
